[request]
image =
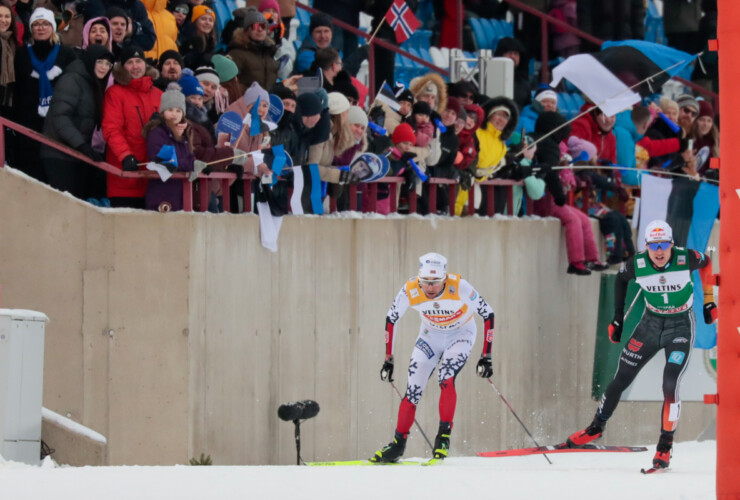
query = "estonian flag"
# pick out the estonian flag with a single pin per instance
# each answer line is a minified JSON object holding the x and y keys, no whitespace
{"x":690,"y":208}
{"x":607,"y":77}
{"x":306,"y":198}
{"x":386,"y":95}
{"x":254,"y":125}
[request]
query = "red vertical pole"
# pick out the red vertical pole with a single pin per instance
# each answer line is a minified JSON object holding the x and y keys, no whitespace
{"x":371,"y":72}
{"x":728,"y":334}
{"x":545,"y":73}
{"x":460,"y":19}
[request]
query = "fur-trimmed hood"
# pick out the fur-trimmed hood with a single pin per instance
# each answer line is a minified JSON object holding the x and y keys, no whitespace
{"x":240,"y":40}
{"x":420,"y":82}
{"x":513,"y":110}
{"x":122,"y":77}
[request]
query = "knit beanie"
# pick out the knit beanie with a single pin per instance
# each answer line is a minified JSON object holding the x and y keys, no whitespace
{"x":576,"y":145}
{"x":190,"y":86}
{"x":172,"y":99}
{"x":308,"y":104}
{"x":545,"y":92}
{"x":42,"y":14}
{"x":207,"y":74}
{"x":453,"y":104}
{"x":114,"y":11}
{"x":421,"y":108}
{"x":255,"y":91}
{"x":405,"y":95}
{"x":403,"y":133}
{"x":252,"y":16}
{"x":284,"y":92}
{"x":225,"y":67}
{"x":170,"y":54}
{"x":356,"y":115}
{"x":202,"y":10}
{"x":130,"y":52}
{"x":706,"y":109}
{"x":346,"y":87}
{"x":318,"y":20}
{"x":269,"y":4}
{"x":338,"y":104}
{"x":687,"y":101}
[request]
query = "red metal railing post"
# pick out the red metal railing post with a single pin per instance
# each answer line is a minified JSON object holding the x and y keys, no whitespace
{"x":187,"y":196}
{"x":460,"y":20}
{"x":490,"y":195}
{"x":204,"y":190}
{"x":510,"y":200}
{"x":371,"y":71}
{"x":226,"y":195}
{"x":247,"y":195}
{"x":471,"y":200}
{"x":432,"y":197}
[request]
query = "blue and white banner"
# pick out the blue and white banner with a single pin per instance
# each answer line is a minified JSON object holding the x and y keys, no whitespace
{"x":690,"y":208}
{"x":306,"y":198}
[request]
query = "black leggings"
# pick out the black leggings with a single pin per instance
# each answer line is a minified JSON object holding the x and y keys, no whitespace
{"x":675,"y":334}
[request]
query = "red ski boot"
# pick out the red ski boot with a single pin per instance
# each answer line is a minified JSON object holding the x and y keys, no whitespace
{"x":590,"y":433}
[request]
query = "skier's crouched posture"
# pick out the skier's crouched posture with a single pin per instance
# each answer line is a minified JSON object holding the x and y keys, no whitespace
{"x":446,"y":304}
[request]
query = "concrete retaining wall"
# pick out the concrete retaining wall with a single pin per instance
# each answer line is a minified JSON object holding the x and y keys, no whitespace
{"x":175,"y":335}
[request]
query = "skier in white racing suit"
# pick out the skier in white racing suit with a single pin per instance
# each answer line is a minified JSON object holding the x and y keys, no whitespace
{"x":446,"y":304}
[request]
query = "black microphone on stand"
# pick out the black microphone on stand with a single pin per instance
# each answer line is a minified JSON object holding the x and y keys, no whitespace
{"x":295,"y":412}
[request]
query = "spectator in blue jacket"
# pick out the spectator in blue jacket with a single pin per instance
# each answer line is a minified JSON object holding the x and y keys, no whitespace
{"x":320,"y":33}
{"x":545,"y":99}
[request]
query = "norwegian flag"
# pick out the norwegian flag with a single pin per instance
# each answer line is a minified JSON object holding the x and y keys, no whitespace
{"x":402,"y":20}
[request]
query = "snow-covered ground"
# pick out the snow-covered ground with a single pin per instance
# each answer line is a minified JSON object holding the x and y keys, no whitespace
{"x":572,"y":476}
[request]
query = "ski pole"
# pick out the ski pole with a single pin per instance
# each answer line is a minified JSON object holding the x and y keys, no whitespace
{"x":639,"y":292}
{"x":415,"y":421}
{"x":517,"y":417}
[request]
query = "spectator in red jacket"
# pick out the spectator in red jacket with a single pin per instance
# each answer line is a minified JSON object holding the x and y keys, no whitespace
{"x":596,"y":128}
{"x":127,"y":107}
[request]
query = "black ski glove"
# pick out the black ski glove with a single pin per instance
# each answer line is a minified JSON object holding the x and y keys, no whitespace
{"x":710,"y":313}
{"x":408,"y":155}
{"x":386,"y":372}
{"x":236,"y":169}
{"x":615,"y":330}
{"x":130,"y":164}
{"x":347,"y":177}
{"x":88,"y":151}
{"x":484,"y":368}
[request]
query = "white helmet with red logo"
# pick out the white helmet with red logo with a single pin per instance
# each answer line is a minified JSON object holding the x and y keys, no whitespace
{"x":432,"y":266}
{"x":658,"y":230}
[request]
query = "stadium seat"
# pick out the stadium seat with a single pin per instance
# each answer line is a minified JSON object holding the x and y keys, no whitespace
{"x":480,"y":36}
{"x":437,"y":58}
{"x":491,"y":38}
{"x":498,"y":29}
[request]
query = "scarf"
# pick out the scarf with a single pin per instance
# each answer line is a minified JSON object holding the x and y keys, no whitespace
{"x":7,"y":66}
{"x":45,"y":71}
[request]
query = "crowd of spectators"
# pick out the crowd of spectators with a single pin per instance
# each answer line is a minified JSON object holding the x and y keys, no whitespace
{"x":123,"y":80}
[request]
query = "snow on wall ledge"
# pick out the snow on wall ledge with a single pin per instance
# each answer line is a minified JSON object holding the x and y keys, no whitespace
{"x":73,"y":426}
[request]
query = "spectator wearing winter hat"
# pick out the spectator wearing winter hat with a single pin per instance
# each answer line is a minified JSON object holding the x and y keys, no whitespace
{"x":545,"y":99}
{"x":431,"y":89}
{"x":705,"y":134}
{"x":465,"y":91}
{"x":288,"y":99}
{"x":254,"y":52}
{"x":515,"y":50}
{"x":320,"y":32}
{"x":688,"y":110}
{"x":445,"y":166}
{"x":75,"y":113}
{"x":660,"y":129}
{"x":170,"y":69}
{"x":228,"y":74}
{"x":194,"y":94}
{"x":215,"y":97}
{"x":165,"y":27}
{"x":245,"y":141}
{"x":420,"y":122}
{"x":97,"y":31}
{"x":130,"y":24}
{"x":132,"y":97}
{"x":180,"y":11}
{"x":38,"y":66}
{"x":168,"y":128}
{"x":198,"y":39}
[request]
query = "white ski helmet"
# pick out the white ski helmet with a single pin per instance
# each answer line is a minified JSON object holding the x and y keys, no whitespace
{"x":433,"y":266}
{"x":658,"y":230}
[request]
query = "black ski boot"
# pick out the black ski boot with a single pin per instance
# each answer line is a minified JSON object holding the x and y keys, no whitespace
{"x":442,"y":441}
{"x":392,"y":451}
{"x":662,"y":458}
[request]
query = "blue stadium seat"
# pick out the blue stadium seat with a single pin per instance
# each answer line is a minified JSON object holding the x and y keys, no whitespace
{"x":480,"y":36}
{"x":565,"y":105}
{"x":425,"y":39}
{"x":491,"y":37}
{"x":498,"y":29}
{"x":508,"y":28}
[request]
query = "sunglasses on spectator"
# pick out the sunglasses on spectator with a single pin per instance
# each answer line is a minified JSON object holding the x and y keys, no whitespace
{"x":258,"y":26}
{"x":104,"y":62}
{"x":182,"y":9}
{"x":690,"y":111}
{"x":659,"y":245}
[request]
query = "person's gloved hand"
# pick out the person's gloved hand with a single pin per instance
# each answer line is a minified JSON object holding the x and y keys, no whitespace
{"x":615,"y":330}
{"x":386,"y":372}
{"x":407,"y":156}
{"x":239,"y":157}
{"x":710,"y":313}
{"x":347,"y":177}
{"x":87,"y":150}
{"x":484,"y":369}
{"x":237,"y":169}
{"x":683,"y":144}
{"x":130,"y":164}
{"x":466,"y":180}
{"x":199,"y":167}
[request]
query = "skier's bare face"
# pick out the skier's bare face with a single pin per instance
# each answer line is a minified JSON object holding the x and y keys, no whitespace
{"x":431,"y":288}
